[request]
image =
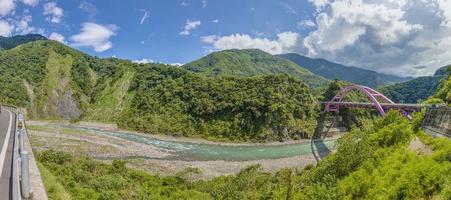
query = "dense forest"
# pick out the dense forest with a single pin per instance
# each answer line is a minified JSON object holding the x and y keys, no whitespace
{"x":176,"y":101}
{"x":417,"y":90}
{"x":375,"y":162}
{"x":413,"y":91}
{"x":54,"y":81}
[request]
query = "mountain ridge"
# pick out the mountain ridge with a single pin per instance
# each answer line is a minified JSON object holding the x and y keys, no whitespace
{"x":250,"y":62}
{"x":11,"y":42}
{"x":54,"y":81}
{"x":331,"y":70}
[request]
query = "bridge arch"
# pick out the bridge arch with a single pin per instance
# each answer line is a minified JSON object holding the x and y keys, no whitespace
{"x":375,"y":97}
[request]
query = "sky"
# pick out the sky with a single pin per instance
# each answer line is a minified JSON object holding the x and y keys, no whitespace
{"x":401,"y":37}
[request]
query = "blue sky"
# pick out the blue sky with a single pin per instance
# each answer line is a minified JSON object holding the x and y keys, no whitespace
{"x":407,"y":38}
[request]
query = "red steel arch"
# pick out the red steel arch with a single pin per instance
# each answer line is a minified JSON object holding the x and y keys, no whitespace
{"x":375,"y":97}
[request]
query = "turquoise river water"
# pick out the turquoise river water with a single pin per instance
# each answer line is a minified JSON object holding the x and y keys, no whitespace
{"x":200,"y":151}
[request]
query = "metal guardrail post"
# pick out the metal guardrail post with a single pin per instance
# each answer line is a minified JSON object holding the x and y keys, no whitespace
{"x":15,"y":174}
{"x":21,"y":140}
{"x":25,"y":186}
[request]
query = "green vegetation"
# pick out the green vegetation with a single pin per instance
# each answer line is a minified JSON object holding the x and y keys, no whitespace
{"x":54,"y":81}
{"x":332,"y":70}
{"x":250,"y":62}
{"x":443,"y":94}
{"x":420,"y":89}
{"x":55,"y":190}
{"x":171,"y":100}
{"x":11,"y":42}
{"x":413,"y":91}
{"x":443,"y":71}
{"x":373,"y":163}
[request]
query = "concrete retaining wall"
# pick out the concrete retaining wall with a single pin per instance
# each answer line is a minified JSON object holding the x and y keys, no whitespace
{"x":437,"y":121}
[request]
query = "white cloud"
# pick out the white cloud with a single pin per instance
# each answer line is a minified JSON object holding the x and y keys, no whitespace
{"x":184,"y":3}
{"x":88,"y":8}
{"x":144,"y":17}
{"x":30,"y":2}
{"x":306,"y":24}
{"x":215,"y":21}
{"x":176,"y":64}
{"x":57,"y":37}
{"x":289,"y":9}
{"x":190,"y":25}
{"x":143,"y":61}
{"x":95,"y":35}
{"x":204,"y":3}
{"x":6,"y":7}
{"x":53,"y":12}
{"x":5,"y":28}
{"x":386,"y":35}
{"x":285,"y":42}
{"x":23,"y":25}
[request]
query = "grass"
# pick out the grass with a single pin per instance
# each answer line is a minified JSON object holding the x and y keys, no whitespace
{"x":68,"y":131}
{"x":54,"y":189}
{"x":112,"y":100}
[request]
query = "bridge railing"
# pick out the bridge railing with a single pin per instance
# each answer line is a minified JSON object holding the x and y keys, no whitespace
{"x":20,"y":184}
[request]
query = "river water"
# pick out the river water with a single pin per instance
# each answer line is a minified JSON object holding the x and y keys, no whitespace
{"x":200,"y":151}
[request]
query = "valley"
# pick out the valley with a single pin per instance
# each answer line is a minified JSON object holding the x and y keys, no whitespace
{"x":235,"y":124}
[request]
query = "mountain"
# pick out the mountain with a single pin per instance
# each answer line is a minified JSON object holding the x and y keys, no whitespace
{"x":11,"y":42}
{"x":54,"y":81}
{"x":445,"y":70}
{"x":443,"y":92}
{"x":250,"y":62}
{"x":332,"y":70}
{"x":416,"y":89}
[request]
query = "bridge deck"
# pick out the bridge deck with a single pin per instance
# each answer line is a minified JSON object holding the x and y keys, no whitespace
{"x":371,"y":105}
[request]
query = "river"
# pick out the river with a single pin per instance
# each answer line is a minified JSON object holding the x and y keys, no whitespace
{"x":205,"y":152}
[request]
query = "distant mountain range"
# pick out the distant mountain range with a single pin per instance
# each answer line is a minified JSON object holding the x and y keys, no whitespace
{"x":11,"y":42}
{"x":416,"y":89}
{"x":332,"y":70}
{"x":251,"y":62}
{"x":254,"y":62}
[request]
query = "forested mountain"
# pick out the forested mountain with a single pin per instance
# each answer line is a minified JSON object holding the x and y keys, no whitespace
{"x":414,"y":90}
{"x":54,"y":81}
{"x":332,"y":70}
{"x":445,"y":70}
{"x":443,"y":92}
{"x":11,"y":42}
{"x":417,"y":89}
{"x":250,"y":62}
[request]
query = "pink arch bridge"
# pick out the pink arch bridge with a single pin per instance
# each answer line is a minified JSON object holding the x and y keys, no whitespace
{"x":376,"y":100}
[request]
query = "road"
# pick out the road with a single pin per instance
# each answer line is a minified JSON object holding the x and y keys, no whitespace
{"x":7,"y":129}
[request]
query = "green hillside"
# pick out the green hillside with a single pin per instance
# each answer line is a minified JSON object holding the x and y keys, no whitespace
{"x":250,"y":62}
{"x":11,"y":42}
{"x":445,"y":70}
{"x":443,"y":93}
{"x":414,"y":90}
{"x":54,"y":81}
{"x":332,"y":70}
{"x":418,"y":89}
